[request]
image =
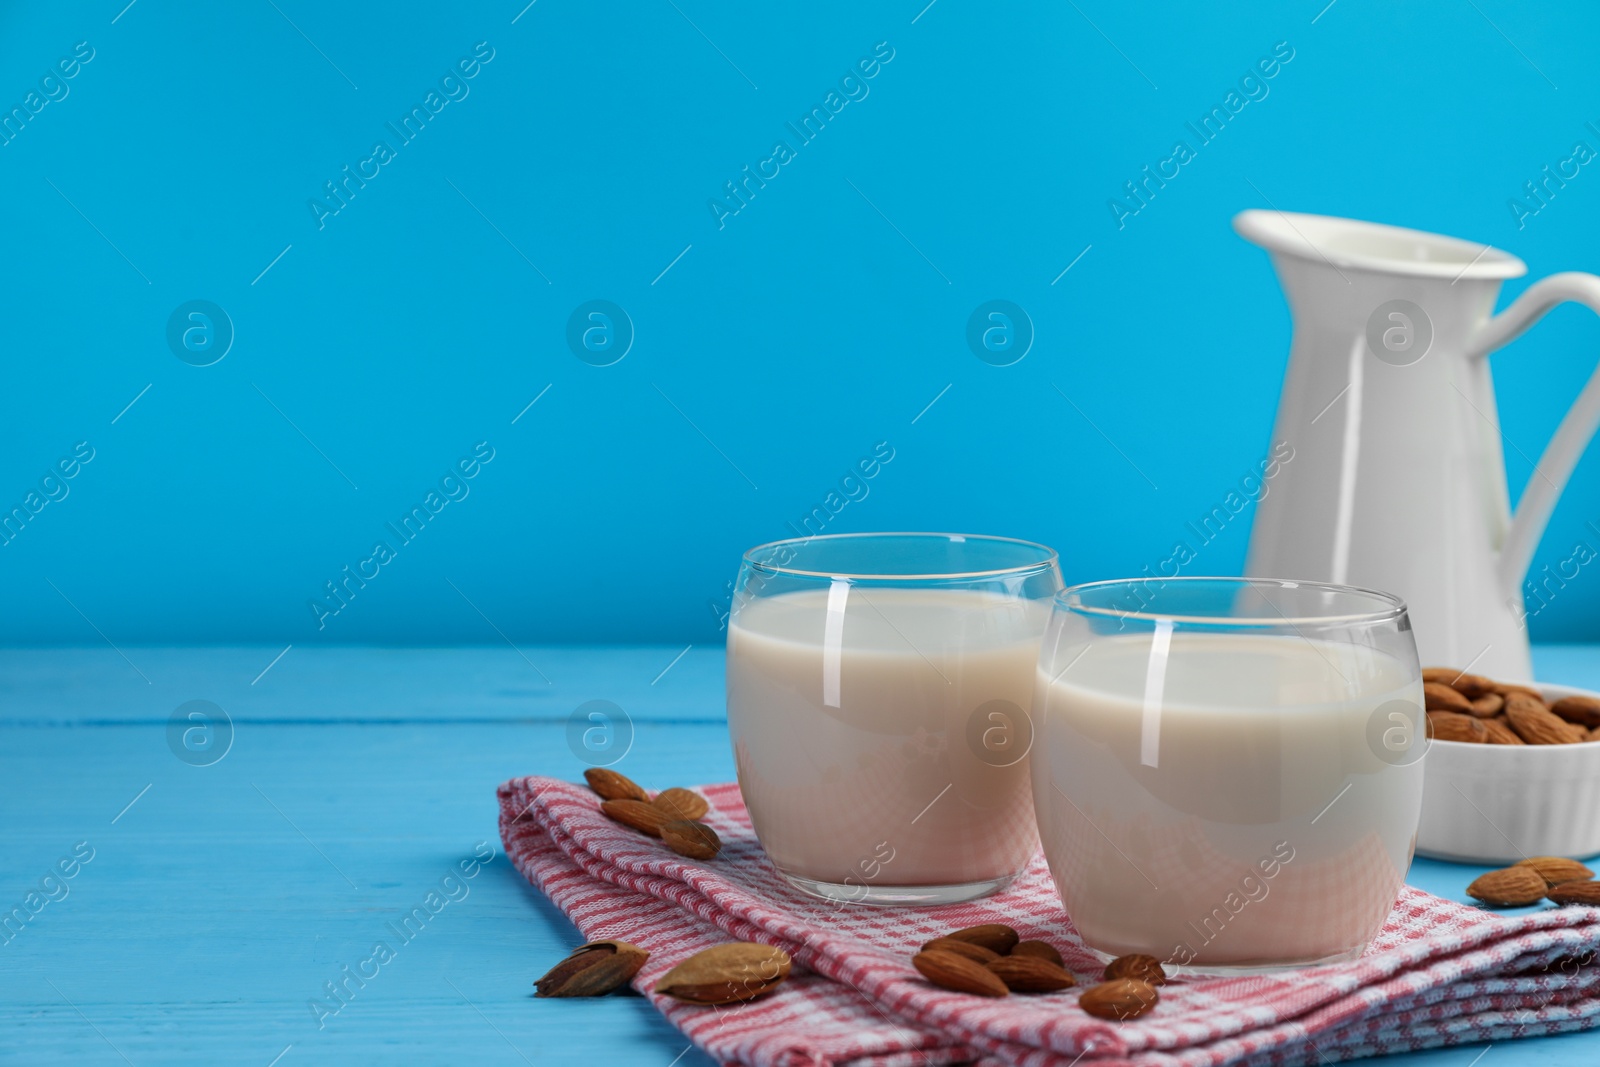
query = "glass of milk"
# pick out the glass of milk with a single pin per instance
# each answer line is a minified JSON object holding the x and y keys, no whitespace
{"x":878,"y":687}
{"x":1228,"y":772}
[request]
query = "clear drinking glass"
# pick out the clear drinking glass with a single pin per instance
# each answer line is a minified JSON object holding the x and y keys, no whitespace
{"x":877,"y":695}
{"x":1228,"y":772}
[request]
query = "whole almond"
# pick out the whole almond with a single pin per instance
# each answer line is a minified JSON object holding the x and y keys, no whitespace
{"x":1488,"y":705}
{"x":693,"y":839}
{"x":639,"y":814}
{"x":1501,"y":733}
{"x":1120,"y":999}
{"x":1534,"y":723}
{"x":975,"y":953}
{"x":1510,"y":887}
{"x":1453,"y":726}
{"x":1506,"y":689}
{"x":1031,"y":974}
{"x":1585,"y":711}
{"x":1440,"y":697}
{"x":681,"y":803}
{"x":613,"y":786}
{"x":592,"y":970}
{"x":1042,"y":949}
{"x":959,"y":974}
{"x":1587,"y":893}
{"x":1471,"y":686}
{"x":726,"y":974}
{"x":996,"y":937}
{"x":1557,"y":869}
{"x":1146,"y":969}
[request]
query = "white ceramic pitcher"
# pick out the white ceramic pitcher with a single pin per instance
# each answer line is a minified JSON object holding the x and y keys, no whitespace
{"x":1397,"y":480}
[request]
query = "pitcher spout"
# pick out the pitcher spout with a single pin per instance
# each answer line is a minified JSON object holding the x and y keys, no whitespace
{"x":1349,"y":244}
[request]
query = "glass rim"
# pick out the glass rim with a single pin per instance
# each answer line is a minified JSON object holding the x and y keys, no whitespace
{"x":1049,"y":557}
{"x":1394,"y":607}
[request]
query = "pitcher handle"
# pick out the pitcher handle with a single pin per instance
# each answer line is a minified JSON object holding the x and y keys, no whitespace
{"x":1571,"y":437}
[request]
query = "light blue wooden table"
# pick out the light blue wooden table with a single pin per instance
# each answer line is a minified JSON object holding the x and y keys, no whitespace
{"x":220,"y":899}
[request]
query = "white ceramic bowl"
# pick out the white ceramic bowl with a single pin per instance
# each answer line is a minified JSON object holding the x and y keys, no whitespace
{"x":1502,"y":803}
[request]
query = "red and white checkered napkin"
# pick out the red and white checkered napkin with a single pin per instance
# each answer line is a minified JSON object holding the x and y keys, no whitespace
{"x":1440,"y":973}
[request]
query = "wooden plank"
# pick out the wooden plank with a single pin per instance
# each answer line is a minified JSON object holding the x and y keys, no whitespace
{"x":343,"y":684}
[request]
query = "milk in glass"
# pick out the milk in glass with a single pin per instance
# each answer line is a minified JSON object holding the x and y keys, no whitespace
{"x":1226,"y":805}
{"x":881,"y":733}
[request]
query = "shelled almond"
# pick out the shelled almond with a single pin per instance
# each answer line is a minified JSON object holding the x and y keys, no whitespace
{"x":1120,"y":999}
{"x":1450,"y":726}
{"x":1477,"y":710}
{"x":693,"y":839}
{"x":975,"y":953}
{"x":613,"y":786}
{"x":1031,"y":974}
{"x":673,"y":815}
{"x":592,"y":970}
{"x":1557,"y":869}
{"x":1042,"y":949}
{"x":727,"y":974}
{"x":1146,"y":969}
{"x":1500,"y":733}
{"x":1582,"y":710}
{"x":1585,"y":893}
{"x":681,"y":803}
{"x":1509,"y":887}
{"x":959,"y":974}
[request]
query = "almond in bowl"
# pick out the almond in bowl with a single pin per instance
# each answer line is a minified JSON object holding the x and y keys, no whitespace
{"x":1513,"y":770}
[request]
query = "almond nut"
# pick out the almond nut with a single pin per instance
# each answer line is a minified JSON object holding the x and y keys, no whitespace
{"x":1587,"y":893}
{"x":1031,"y":974}
{"x":726,"y":974}
{"x":1507,"y":689}
{"x":975,"y":953}
{"x":1510,"y":887}
{"x":1146,"y":969}
{"x":1042,"y":949}
{"x":592,"y":970}
{"x":1487,"y":705}
{"x":1501,"y":733}
{"x":1535,"y":724}
{"x":613,"y":786}
{"x":1585,"y":711}
{"x":1121,"y":999}
{"x":642,"y":816}
{"x":1471,"y":686}
{"x":681,"y":803}
{"x":1557,"y":870}
{"x":1440,"y":697}
{"x":693,"y":839}
{"x":996,"y":937}
{"x":959,"y":974}
{"x":1453,"y":726}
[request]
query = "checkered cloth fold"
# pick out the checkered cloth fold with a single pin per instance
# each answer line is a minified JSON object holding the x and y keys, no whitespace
{"x":1439,"y":973}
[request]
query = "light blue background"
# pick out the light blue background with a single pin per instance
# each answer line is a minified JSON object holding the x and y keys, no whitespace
{"x":819,"y":321}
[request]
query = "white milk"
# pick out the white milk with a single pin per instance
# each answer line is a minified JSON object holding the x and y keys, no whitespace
{"x":1243,"y":817}
{"x":850,"y":732}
